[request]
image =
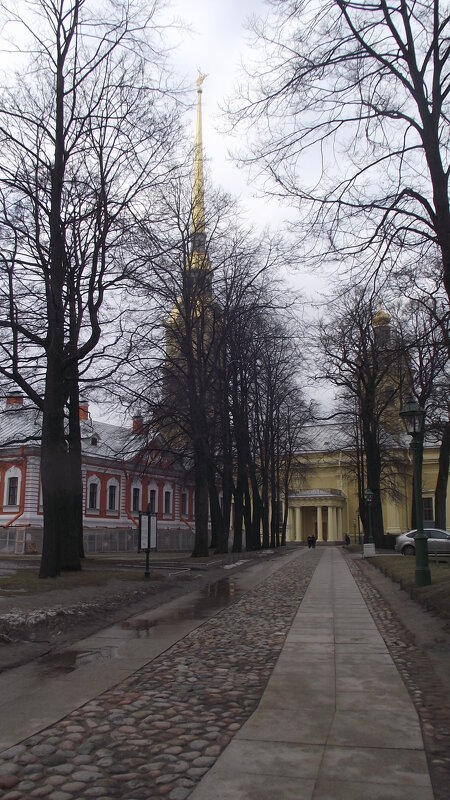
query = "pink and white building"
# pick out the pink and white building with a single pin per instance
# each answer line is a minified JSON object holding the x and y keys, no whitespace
{"x":124,"y":472}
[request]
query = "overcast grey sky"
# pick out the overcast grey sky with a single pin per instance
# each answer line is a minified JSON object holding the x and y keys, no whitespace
{"x":216,"y":43}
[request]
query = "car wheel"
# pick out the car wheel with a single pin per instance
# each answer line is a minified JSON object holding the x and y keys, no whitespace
{"x":408,"y":550}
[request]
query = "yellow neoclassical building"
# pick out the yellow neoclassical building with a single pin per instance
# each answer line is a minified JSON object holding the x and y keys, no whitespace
{"x":323,"y":499}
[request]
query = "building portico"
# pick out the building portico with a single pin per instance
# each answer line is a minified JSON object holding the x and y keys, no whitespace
{"x":316,"y":511}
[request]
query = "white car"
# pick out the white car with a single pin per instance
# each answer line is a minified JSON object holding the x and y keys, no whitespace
{"x":438,"y":542}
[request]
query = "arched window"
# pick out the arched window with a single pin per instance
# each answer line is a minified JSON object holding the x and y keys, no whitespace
{"x":11,"y":496}
{"x":153,"y":497}
{"x":112,"y":495}
{"x":93,"y":494}
{"x":167,"y":500}
{"x":135,"y":497}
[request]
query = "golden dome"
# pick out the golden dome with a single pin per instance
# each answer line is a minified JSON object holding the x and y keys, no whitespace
{"x":175,"y":313}
{"x":381,"y":319}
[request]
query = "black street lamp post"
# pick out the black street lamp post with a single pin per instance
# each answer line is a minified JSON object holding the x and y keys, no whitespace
{"x":413,"y":417}
{"x":368,"y":543}
{"x":368,"y":497}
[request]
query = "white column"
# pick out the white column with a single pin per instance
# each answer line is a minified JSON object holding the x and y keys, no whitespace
{"x":291,"y":522}
{"x":339,"y":523}
{"x":319,"y":524}
{"x":297,"y":524}
{"x":331,"y":523}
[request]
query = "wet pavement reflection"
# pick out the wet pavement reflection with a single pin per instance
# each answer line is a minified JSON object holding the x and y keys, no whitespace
{"x":70,"y":660}
{"x":213,"y":597}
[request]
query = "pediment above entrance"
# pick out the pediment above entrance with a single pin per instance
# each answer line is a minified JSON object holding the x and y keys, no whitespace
{"x":317,"y":497}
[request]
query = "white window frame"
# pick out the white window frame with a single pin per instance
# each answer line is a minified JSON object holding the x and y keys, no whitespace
{"x":168,"y":490}
{"x":12,"y":472}
{"x":113,"y":482}
{"x":153,"y":487}
{"x":135,"y":486}
{"x":93,"y":479}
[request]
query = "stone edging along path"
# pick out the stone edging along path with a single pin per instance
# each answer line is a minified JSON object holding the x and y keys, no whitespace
{"x":156,"y":733}
{"x":430,"y":697}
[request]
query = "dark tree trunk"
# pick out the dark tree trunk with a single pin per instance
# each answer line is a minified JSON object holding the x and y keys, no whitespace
{"x":265,"y":511}
{"x":373,"y":463}
{"x":201,"y":499}
{"x":442,"y":480}
{"x":72,"y":544}
{"x":218,"y":540}
{"x":248,"y":520}
{"x":227,"y":493}
{"x":285,"y":520}
{"x":54,"y":471}
{"x":255,"y":542}
{"x":239,"y":511}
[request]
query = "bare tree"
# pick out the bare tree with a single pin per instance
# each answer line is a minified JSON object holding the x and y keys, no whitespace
{"x":195,"y":369}
{"x":364,"y":359}
{"x":84,"y":139}
{"x":350,"y":100}
{"x":423,"y":328}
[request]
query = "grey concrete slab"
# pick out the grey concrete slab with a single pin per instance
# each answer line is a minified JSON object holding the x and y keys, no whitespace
{"x":282,"y":695}
{"x":289,"y":659}
{"x":386,"y":698}
{"x":375,"y":646}
{"x":307,"y":685}
{"x":323,"y":648}
{"x":287,"y":759}
{"x":373,"y":727}
{"x":222,"y":786}
{"x":315,"y":637}
{"x":357,"y":638}
{"x":367,"y":683}
{"x":359,"y":790}
{"x":303,"y":726}
{"x":377,"y":671}
{"x":389,"y":765}
{"x":358,"y":660}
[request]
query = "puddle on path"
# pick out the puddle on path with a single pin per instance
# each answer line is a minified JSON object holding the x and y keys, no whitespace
{"x":138,"y":624}
{"x":213,"y":597}
{"x":70,"y":660}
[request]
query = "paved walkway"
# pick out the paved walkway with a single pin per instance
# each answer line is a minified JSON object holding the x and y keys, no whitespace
{"x":335,"y":721}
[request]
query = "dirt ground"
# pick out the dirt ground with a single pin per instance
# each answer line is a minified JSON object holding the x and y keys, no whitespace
{"x":33,"y":625}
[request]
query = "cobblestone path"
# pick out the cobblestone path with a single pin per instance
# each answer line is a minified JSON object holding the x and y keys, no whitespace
{"x":157,"y":733}
{"x":432,"y":704}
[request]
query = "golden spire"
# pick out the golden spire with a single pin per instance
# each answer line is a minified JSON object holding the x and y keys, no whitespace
{"x":198,"y":199}
{"x":199,"y":258}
